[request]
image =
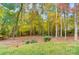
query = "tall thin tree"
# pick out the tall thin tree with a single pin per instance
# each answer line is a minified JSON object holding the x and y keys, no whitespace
{"x":56,"y":26}
{"x":75,"y":22}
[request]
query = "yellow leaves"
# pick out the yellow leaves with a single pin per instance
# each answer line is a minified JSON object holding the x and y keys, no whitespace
{"x":52,"y":18}
{"x":24,"y":27}
{"x":9,"y":27}
{"x":33,"y":18}
{"x":45,"y":24}
{"x":33,"y":15}
{"x":27,"y":16}
{"x":47,"y":6}
{"x":1,"y":12}
{"x":51,"y":15}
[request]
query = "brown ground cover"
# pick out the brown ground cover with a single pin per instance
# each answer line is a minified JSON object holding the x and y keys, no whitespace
{"x":20,"y":40}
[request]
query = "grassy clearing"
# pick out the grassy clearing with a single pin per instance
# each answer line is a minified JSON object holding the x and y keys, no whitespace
{"x":48,"y":48}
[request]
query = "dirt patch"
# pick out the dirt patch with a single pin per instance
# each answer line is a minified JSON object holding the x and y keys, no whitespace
{"x":20,"y":40}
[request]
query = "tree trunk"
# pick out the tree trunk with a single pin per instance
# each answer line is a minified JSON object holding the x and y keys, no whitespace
{"x":31,"y":28}
{"x":76,"y":26}
{"x":48,"y":28}
{"x":61,"y":25}
{"x":65,"y":25}
{"x":42,"y":28}
{"x":56,"y":33}
{"x":15,"y":28}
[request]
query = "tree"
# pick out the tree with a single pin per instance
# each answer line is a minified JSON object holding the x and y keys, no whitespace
{"x":56,"y":34}
{"x":61,"y":7}
{"x":75,"y":22}
{"x":15,"y":28}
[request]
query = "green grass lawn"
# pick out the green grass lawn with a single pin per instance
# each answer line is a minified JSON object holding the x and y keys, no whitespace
{"x":48,"y":48}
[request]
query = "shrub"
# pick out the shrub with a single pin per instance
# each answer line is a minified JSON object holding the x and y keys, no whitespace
{"x":33,"y":41}
{"x":47,"y":38}
{"x":27,"y":42}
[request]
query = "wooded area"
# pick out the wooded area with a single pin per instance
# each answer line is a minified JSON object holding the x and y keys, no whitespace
{"x":42,"y":19}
